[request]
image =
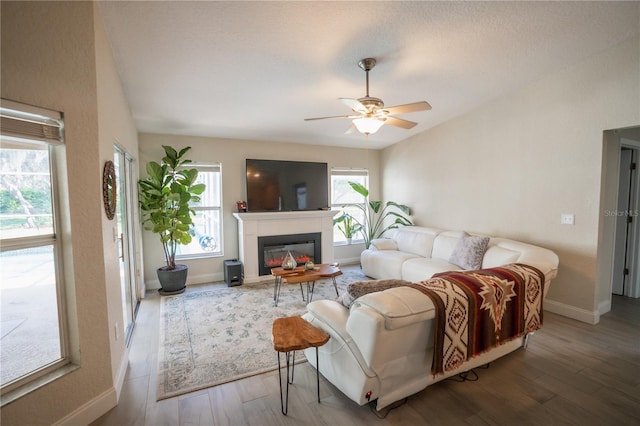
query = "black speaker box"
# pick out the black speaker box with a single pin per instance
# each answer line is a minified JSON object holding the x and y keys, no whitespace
{"x":232,"y":272}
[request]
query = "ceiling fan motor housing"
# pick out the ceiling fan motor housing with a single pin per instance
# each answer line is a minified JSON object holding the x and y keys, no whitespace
{"x":367,"y":64}
{"x":371,"y":103}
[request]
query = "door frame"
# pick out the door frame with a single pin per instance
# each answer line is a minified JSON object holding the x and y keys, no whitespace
{"x":130,"y":247}
{"x":610,"y":176}
{"x":633,"y":235}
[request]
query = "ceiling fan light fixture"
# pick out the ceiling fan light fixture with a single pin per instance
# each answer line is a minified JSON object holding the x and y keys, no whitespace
{"x":368,"y":125}
{"x":371,"y":113}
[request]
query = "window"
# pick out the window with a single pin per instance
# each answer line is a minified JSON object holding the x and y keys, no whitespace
{"x":31,"y":274}
{"x":207,"y":223}
{"x":345,"y":198}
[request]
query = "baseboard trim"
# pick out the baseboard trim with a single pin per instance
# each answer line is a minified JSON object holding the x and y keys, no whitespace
{"x":90,"y":411}
{"x":349,"y":261}
{"x":191,"y":279}
{"x":604,"y":307}
{"x":590,"y":317}
{"x":122,"y":373}
{"x":97,"y":407}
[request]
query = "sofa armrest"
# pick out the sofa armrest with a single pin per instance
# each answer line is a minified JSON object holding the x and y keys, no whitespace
{"x":399,"y":306}
{"x":383,"y":244}
{"x":332,"y":317}
{"x":331,"y":314}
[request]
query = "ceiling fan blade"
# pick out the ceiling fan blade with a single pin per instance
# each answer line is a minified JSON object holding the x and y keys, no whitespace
{"x":351,"y":129}
{"x":403,"y":109}
{"x":398,"y":122}
{"x":332,"y":116}
{"x":355,"y":105}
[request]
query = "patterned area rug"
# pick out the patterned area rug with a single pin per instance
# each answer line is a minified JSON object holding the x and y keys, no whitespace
{"x":213,"y":334}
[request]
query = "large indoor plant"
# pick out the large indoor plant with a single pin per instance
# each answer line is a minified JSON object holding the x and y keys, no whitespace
{"x":379,"y":217}
{"x":166,"y":195}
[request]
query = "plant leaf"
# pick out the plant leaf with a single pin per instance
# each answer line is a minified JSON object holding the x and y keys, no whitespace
{"x":405,"y":209}
{"x":360,"y":189}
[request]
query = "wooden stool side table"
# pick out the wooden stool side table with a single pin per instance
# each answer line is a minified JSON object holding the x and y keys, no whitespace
{"x":292,"y":334}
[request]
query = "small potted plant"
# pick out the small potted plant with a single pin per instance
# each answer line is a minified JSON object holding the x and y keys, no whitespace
{"x":347,"y":225}
{"x":165,"y":198}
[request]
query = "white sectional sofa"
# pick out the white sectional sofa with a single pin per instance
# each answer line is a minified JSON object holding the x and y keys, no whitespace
{"x":416,"y":253}
{"x":381,"y":348}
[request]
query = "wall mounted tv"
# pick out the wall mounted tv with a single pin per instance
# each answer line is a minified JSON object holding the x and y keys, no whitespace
{"x":275,"y":185}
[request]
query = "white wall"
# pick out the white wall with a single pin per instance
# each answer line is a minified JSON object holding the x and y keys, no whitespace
{"x":116,"y":127}
{"x":232,"y":155}
{"x":49,"y":59}
{"x":513,"y":166}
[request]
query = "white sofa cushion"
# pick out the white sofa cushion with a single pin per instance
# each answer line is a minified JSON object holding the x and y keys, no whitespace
{"x":383,"y":244}
{"x":399,"y":306}
{"x":498,"y":256}
{"x":423,"y":268}
{"x":444,"y":244}
{"x":383,"y":264}
{"x":415,"y":240}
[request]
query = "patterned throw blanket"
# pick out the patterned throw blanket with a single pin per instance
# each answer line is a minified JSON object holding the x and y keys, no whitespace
{"x":478,"y":310}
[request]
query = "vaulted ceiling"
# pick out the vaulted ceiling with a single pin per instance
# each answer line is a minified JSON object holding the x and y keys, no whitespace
{"x":255,"y":70}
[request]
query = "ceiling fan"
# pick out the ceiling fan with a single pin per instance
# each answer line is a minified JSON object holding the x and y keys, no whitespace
{"x":371,"y":113}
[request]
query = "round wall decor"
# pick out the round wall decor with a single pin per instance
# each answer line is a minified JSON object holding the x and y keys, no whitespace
{"x":109,"y":189}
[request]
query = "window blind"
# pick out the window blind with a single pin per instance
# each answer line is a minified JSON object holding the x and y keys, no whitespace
{"x":20,"y":121}
{"x":349,"y":172}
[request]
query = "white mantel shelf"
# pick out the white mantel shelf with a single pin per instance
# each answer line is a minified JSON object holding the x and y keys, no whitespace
{"x":285,"y":215}
{"x":263,"y":224}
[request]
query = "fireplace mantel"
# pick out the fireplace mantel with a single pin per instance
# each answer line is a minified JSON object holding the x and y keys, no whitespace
{"x":259,"y":224}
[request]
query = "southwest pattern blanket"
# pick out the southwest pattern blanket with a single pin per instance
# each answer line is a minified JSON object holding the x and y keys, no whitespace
{"x":478,"y":310}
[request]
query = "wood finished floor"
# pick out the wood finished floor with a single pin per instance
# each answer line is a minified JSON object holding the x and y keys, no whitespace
{"x":572,"y":373}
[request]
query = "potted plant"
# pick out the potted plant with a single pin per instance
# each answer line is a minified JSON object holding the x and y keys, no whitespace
{"x":347,"y":225}
{"x":377,"y":215}
{"x":165,"y":198}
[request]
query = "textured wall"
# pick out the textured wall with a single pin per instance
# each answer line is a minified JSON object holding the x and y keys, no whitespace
{"x":513,"y":166}
{"x":232,"y":155}
{"x":49,"y":58}
{"x":116,"y":127}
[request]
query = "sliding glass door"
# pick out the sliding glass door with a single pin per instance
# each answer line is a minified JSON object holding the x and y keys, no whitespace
{"x":125,"y":184}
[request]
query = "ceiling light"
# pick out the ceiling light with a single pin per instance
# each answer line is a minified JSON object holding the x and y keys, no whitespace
{"x":368,"y":125}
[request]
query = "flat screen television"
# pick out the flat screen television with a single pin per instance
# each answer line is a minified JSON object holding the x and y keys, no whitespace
{"x":275,"y":185}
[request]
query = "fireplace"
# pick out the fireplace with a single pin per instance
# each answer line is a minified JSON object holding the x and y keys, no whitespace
{"x":272,"y":250}
{"x":252,"y":226}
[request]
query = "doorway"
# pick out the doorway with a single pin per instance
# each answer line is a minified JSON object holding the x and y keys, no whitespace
{"x":626,"y":215}
{"x":125,"y":201}
{"x":625,"y":268}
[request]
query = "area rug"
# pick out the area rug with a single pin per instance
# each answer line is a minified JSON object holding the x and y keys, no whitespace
{"x":213,"y":334}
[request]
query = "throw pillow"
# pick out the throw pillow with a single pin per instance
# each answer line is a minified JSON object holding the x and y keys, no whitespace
{"x":469,"y":251}
{"x":360,"y":288}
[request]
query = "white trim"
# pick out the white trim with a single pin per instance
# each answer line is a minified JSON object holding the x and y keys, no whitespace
{"x":604,"y":307}
{"x":122,"y":373}
{"x":583,"y":315}
{"x":213,"y":277}
{"x":19,"y":107}
{"x":90,"y":411}
{"x":349,"y":261}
